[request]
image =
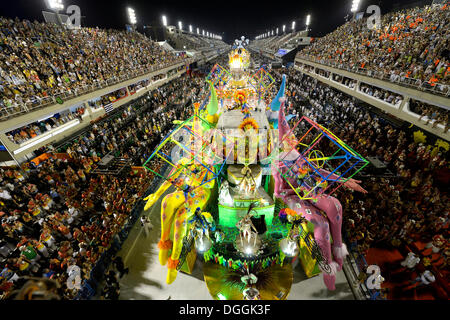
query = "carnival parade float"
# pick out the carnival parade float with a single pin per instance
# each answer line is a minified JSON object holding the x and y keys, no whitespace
{"x":249,"y":192}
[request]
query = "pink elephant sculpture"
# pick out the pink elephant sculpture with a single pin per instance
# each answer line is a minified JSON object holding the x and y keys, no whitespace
{"x":326,"y":227}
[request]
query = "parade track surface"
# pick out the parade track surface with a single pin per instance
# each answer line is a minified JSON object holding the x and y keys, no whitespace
{"x":147,"y":278}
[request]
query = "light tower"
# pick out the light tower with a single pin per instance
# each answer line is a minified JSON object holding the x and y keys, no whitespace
{"x":355,"y":7}
{"x":164,"y":21}
{"x":308,"y":22}
{"x":132,"y":17}
{"x":56,"y":6}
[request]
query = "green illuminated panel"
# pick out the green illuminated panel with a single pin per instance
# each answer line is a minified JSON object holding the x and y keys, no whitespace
{"x":229,"y":217}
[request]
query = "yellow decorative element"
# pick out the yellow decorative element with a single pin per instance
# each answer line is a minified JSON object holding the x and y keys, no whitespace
{"x":236,"y":62}
{"x":318,"y":158}
{"x":249,"y":124}
{"x":239,"y":59}
{"x":213,"y":119}
{"x":419,"y":137}
{"x":306,"y":259}
{"x":442,"y":144}
{"x":240,"y":97}
{"x":176,"y":211}
{"x":196,"y":107}
{"x":189,"y":265}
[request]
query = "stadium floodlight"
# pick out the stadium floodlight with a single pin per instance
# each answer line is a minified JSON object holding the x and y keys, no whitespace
{"x":203,"y":32}
{"x":272,"y":32}
{"x":190,"y":28}
{"x":355,"y":5}
{"x":308,"y":20}
{"x":132,"y":16}
{"x":277,"y":31}
{"x":198,"y":31}
{"x":164,"y":21}
{"x":55,"y":5}
{"x":284,"y":27}
{"x":293,"y":25}
{"x":180,"y":25}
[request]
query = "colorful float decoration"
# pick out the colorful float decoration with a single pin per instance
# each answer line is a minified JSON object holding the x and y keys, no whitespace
{"x":248,"y":194}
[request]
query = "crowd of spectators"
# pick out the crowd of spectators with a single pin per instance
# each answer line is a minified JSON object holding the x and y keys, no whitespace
{"x":137,"y":86}
{"x":60,"y":214}
{"x":39,"y":60}
{"x":410,"y":44}
{"x":381,"y":94}
{"x":412,"y":205}
{"x":35,"y":129}
{"x":429,"y":113}
{"x":137,"y":130}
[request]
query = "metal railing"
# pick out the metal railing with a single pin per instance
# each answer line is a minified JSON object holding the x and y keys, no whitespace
{"x":64,"y":94}
{"x":437,"y":88}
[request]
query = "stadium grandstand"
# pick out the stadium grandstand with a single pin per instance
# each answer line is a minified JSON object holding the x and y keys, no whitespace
{"x":93,"y":155}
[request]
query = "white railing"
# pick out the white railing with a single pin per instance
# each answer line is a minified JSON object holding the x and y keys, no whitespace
{"x":438,"y":88}
{"x":65,"y":94}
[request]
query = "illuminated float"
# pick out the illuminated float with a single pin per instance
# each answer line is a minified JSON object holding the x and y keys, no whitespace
{"x":247,"y":194}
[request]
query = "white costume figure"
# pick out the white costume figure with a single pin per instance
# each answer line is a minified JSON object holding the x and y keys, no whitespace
{"x":437,"y":243}
{"x":250,"y":292}
{"x":74,"y":279}
{"x":426,"y":278}
{"x":245,"y":226}
{"x":146,"y":224}
{"x":411,"y":261}
{"x":294,"y":235}
{"x":225,"y":196}
{"x":247,"y":187}
{"x":378,"y":282}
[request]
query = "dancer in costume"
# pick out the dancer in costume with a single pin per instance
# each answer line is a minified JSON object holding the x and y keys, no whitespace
{"x":176,"y":211}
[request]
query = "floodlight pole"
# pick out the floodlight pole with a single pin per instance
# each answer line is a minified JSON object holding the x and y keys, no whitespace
{"x":53,"y":7}
{"x":58,"y":17}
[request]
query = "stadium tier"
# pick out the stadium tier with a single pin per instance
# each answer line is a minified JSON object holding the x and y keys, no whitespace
{"x":170,"y":163}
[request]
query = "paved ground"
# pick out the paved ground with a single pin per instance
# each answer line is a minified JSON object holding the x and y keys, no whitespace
{"x":146,"y":279}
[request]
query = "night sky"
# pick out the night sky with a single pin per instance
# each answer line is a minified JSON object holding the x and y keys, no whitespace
{"x":231,"y":19}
